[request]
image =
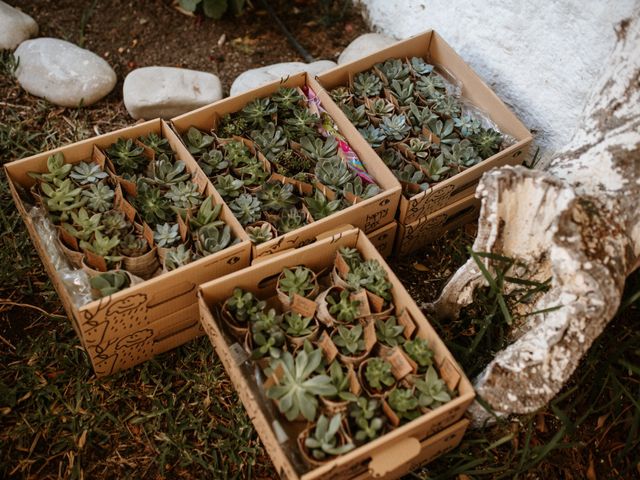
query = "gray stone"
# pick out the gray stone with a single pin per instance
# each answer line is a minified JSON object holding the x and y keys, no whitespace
{"x":363,"y":46}
{"x":62,"y":72}
{"x":15,"y":27}
{"x":166,"y":92}
{"x":259,"y":76}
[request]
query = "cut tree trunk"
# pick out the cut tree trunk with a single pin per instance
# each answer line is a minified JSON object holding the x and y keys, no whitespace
{"x":577,"y":221}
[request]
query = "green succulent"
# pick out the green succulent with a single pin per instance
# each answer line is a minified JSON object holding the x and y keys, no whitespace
{"x":62,"y":197}
{"x":341,"y":381}
{"x":167,"y":235}
{"x":467,"y":125}
{"x":212,"y":162}
{"x":389,"y":333}
{"x":341,"y":95}
{"x":196,"y":141}
{"x":253,"y":175}
{"x":267,"y":334}
{"x":228,"y":186}
{"x":409,"y":174}
{"x":184,"y":195}
{"x":286,"y":98}
{"x":127,"y":157}
{"x":445,"y":132}
{"x":431,"y":85}
{"x":356,"y":115}
{"x":419,"y":351}
{"x":84,"y":225}
{"x":238,"y":154}
{"x":166,"y":172}
{"x":156,"y":143}
{"x":319,"y":150}
{"x":422,"y":147}
{"x":432,"y":391}
{"x":232,"y":126}
{"x":404,"y":403}
{"x":108,"y":283}
{"x":99,"y":197}
{"x":395,"y":127}
{"x":373,"y":136}
{"x":259,"y":233}
{"x":320,"y":206}
{"x":301,"y":122}
{"x":177,"y":257}
{"x":152,"y":204}
{"x":420,"y":117}
{"x":447,"y":106}
{"x":277,"y":196}
{"x":420,"y":66}
{"x":246,"y":208}
{"x":379,"y":108}
{"x":133,"y":246}
{"x":403,"y":91}
{"x":87,"y":172}
{"x":102,"y":245}
{"x":461,"y":154}
{"x":258,"y":112}
{"x":296,"y":325}
{"x":378,"y":374}
{"x":367,"y":85}
{"x":115,"y":223}
{"x":56,"y":169}
{"x":270,"y":140}
{"x":290,"y":220}
{"x":300,"y":280}
{"x":392,"y":158}
{"x":394,"y":69}
{"x":487,"y":142}
{"x":372,"y":276}
{"x":244,"y":306}
{"x":207,"y":214}
{"x":288,"y":163}
{"x":344,"y":309}
{"x":324,"y":442}
{"x":334,"y":173}
{"x":358,"y":189}
{"x":213,"y":238}
{"x":349,"y":340}
{"x":435,"y":168}
{"x":368,"y":421}
{"x":351,"y":256}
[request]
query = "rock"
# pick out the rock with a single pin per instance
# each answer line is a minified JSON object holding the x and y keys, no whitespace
{"x":166,"y":92}
{"x":363,"y":46}
{"x":259,"y":76}
{"x":62,"y":72}
{"x":15,"y":27}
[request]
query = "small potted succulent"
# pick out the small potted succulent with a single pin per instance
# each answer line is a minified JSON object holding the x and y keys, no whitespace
{"x":137,"y":257}
{"x":341,"y":379}
{"x":366,"y":419}
{"x":299,"y":328}
{"x":290,"y":219}
{"x":240,"y":309}
{"x":266,"y":338}
{"x":297,"y":281}
{"x":261,"y":231}
{"x":337,"y":299}
{"x":166,"y":236}
{"x":431,"y":390}
{"x":389,"y":334}
{"x":320,"y":206}
{"x":404,"y":404}
{"x":376,"y":376}
{"x":325,"y":440}
{"x":350,"y":341}
{"x":108,"y":283}
{"x":419,"y":351}
{"x":177,"y":257}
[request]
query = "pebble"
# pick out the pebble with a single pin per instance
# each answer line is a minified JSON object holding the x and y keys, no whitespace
{"x":364,"y":45}
{"x":166,"y":92}
{"x":62,"y":72}
{"x":15,"y":27}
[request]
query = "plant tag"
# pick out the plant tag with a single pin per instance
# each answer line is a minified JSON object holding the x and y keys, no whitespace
{"x":328,"y":347}
{"x":449,"y":374}
{"x":127,"y":209}
{"x":407,"y":322}
{"x":369,"y":335}
{"x":128,"y":186}
{"x":341,"y":266}
{"x":183,"y":229}
{"x":391,"y":415}
{"x":238,"y":354}
{"x":147,"y":233}
{"x":354,"y":384}
{"x":401,"y":365}
{"x":95,"y":261}
{"x":303,"y":306}
{"x":99,"y":157}
{"x":376,"y":302}
{"x":68,"y":239}
{"x":363,"y":309}
{"x":150,"y":153}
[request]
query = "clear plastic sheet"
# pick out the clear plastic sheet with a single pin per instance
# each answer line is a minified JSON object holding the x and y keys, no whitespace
{"x":76,"y":281}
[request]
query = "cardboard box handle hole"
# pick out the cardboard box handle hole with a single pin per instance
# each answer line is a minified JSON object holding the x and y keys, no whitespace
{"x":387,"y":460}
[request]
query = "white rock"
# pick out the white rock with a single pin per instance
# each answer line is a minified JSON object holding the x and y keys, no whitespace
{"x":363,"y":46}
{"x":166,"y":92}
{"x":15,"y":27}
{"x":62,"y":72}
{"x":259,"y":76}
{"x":540,"y":57}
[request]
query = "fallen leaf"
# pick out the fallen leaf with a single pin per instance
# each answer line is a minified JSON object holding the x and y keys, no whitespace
{"x":420,"y":267}
{"x":591,"y":471}
{"x":601,"y":420}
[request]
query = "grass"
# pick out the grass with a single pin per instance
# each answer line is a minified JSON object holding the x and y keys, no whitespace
{"x":178,"y":416}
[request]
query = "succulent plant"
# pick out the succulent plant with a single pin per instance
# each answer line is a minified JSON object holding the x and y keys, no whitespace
{"x":127,"y":157}
{"x":212,"y":162}
{"x":341,"y":381}
{"x":444,"y":131}
{"x":431,"y":85}
{"x":56,"y":169}
{"x":357,"y":188}
{"x":324,"y":441}
{"x":392,"y":158}
{"x":277,"y":196}
{"x":288,"y":163}
{"x":99,"y":197}
{"x":62,"y":197}
{"x":368,"y":421}
{"x":196,"y":141}
{"x":419,"y":351}
{"x":228,"y":186}
{"x":108,"y":283}
{"x":320,"y":206}
{"x":447,"y":106}
{"x":102,"y":245}
{"x":258,"y":112}
{"x":213,"y":238}
{"x":378,"y":374}
{"x":467,"y":125}
{"x":84,"y":225}
{"x":319,"y":150}
{"x":259,"y":233}
{"x":373,"y":136}
{"x":404,"y":403}
{"x":232,"y":125}
{"x":389,"y":333}
{"x":351,"y":256}
{"x":270,"y":140}
{"x":267,"y":334}
{"x":115,"y":223}
{"x":334,"y":173}
{"x":344,"y":309}
{"x":298,"y":387}
{"x":238,"y":154}
{"x":409,"y":174}
{"x":394,"y":69}
{"x":184,"y":195}
{"x":296,"y":325}
{"x":420,"y":66}
{"x":432,"y":391}
{"x":367,"y":85}
{"x":177,"y":257}
{"x":403,"y":91}
{"x":290,"y":219}
{"x":371,"y":276}
{"x":395,"y":127}
{"x":87,"y":172}
{"x":300,"y":280}
{"x":207,"y":214}
{"x":301,"y":122}
{"x":244,"y":306}
{"x":340,"y":95}
{"x":133,"y":246}
{"x":253,"y":175}
{"x":286,"y":98}
{"x":461,"y":154}
{"x":166,"y":172}
{"x":434,"y":168}
{"x":152,"y":205}
{"x":379,"y":107}
{"x":246,"y":208}
{"x":420,"y":117}
{"x":156,"y":143}
{"x":356,"y":115}
{"x":486,"y":142}
{"x":349,"y":340}
{"x":166,"y":235}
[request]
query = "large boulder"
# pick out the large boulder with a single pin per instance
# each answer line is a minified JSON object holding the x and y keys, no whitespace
{"x":62,"y":72}
{"x":259,"y":76}
{"x":364,"y":45}
{"x":166,"y":92}
{"x":15,"y":27}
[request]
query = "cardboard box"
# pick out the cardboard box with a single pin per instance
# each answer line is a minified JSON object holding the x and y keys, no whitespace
{"x":431,"y":46}
{"x":383,"y":238}
{"x":368,"y":215}
{"x":156,"y":315}
{"x":391,"y":455}
{"x":430,"y":228}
